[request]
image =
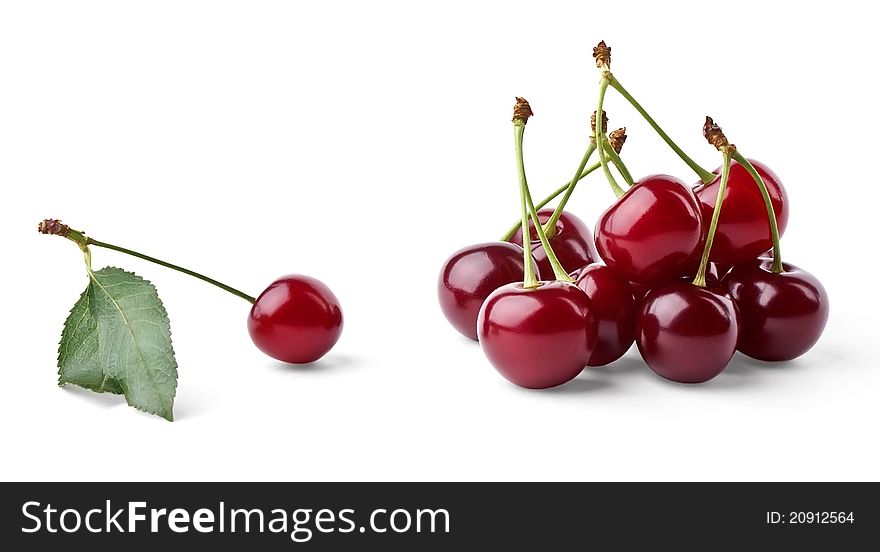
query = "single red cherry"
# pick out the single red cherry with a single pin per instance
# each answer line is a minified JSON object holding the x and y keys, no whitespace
{"x":783,"y":314}
{"x":470,"y":275}
{"x":687,"y":333}
{"x":539,"y":337}
{"x":614,"y":308}
{"x":297,"y":319}
{"x":572,"y":242}
{"x":653,"y":233}
{"x":743,"y":229}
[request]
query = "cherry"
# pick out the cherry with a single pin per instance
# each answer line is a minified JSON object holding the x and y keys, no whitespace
{"x":653,"y":233}
{"x":687,"y":333}
{"x":470,"y":275}
{"x":614,"y":308}
{"x":539,"y":337}
{"x":297,"y":319}
{"x":743,"y":229}
{"x":571,"y":240}
{"x":783,"y":314}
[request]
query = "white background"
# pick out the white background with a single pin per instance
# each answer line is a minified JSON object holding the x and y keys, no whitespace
{"x":361,"y":143}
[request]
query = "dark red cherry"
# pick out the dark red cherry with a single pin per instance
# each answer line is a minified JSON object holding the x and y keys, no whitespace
{"x":653,"y":233}
{"x":743,"y":229}
{"x":540,"y":337}
{"x":572,"y":242}
{"x":470,"y":275}
{"x":687,"y":333}
{"x":297,"y":319}
{"x":783,"y":315}
{"x":614,"y":308}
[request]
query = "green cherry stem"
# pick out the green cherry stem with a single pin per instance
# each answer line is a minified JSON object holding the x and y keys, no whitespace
{"x":556,"y":193}
{"x":601,"y":140}
{"x":771,"y":214}
{"x":550,"y":226}
{"x":702,"y":173}
{"x":618,"y":162}
{"x":55,"y":227}
{"x":530,"y":280}
{"x":700,"y":279}
{"x":521,"y":112}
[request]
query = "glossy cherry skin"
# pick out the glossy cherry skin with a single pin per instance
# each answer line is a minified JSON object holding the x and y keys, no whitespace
{"x":470,"y":275}
{"x":653,"y":233}
{"x":537,"y":338}
{"x":572,"y":242}
{"x":614,"y":308}
{"x":687,"y":333}
{"x":743,"y":229}
{"x":297,"y":319}
{"x":783,"y":315}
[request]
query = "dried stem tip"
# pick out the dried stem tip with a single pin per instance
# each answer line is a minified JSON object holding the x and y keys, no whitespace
{"x":53,"y":227}
{"x":602,"y":55}
{"x":715,"y":135}
{"x":604,"y":121}
{"x":616,"y":138}
{"x":522,"y":110}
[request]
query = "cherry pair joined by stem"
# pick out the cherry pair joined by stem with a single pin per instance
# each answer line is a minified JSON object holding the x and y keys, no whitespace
{"x":653,"y":233}
{"x":297,"y":319}
{"x":571,"y":240}
{"x":743,"y":231}
{"x":783,"y":314}
{"x":468,"y":277}
{"x":539,"y":337}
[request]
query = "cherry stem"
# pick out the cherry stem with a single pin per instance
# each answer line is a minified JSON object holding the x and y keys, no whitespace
{"x":54,"y":227}
{"x":186,"y":271}
{"x":530,"y":280}
{"x":556,"y":193}
{"x":601,"y":140}
{"x":618,"y":162}
{"x":550,"y":225}
{"x":558,"y":271}
{"x":702,"y":173}
{"x":700,"y":278}
{"x":771,"y":213}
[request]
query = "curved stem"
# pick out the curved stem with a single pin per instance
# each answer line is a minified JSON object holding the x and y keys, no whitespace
{"x":202,"y":277}
{"x":702,"y":173}
{"x":550,"y":226}
{"x":556,"y":193}
{"x":529,"y":278}
{"x":618,"y":162}
{"x":771,"y":213}
{"x":700,"y":278}
{"x":600,"y":139}
{"x":558,"y":271}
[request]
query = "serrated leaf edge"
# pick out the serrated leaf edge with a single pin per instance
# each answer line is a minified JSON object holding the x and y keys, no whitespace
{"x":166,"y":326}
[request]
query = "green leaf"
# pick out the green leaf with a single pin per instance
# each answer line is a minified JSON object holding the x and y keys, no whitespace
{"x":78,"y":351}
{"x":117,"y":339}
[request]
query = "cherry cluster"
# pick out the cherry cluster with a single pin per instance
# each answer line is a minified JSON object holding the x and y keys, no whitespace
{"x":689,"y":273}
